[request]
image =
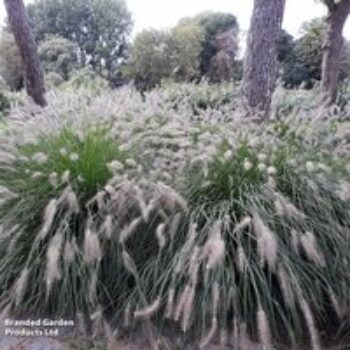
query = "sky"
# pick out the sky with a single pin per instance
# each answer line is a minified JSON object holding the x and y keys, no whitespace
{"x":162,"y":14}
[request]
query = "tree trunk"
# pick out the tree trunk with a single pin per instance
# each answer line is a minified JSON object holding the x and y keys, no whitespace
{"x":19,"y":23}
{"x":337,"y":15}
{"x":260,"y":67}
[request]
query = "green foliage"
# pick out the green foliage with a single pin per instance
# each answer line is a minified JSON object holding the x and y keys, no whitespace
{"x":213,"y":24}
{"x":149,"y":59}
{"x":58,"y":55}
{"x":10,"y":62}
{"x":86,"y":78}
{"x":195,"y":47}
{"x":98,"y":27}
{"x":60,"y":173}
{"x":309,"y":49}
{"x":132,"y":208}
{"x":53,"y":80}
{"x":185,"y":45}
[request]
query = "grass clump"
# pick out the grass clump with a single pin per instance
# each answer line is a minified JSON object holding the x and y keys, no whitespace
{"x":167,"y":215}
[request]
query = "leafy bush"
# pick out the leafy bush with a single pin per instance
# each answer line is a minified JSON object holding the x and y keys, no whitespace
{"x":139,"y":208}
{"x":88,"y":79}
{"x":58,"y":55}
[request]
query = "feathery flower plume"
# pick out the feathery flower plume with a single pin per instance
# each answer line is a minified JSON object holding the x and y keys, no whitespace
{"x":262,"y":157}
{"x":187,"y":309}
{"x":271,"y":170}
{"x":194,"y":265}
{"x":131,"y":163}
{"x":315,"y":341}
{"x":181,"y":303}
{"x":211,"y":333}
{"x":50,"y":212}
{"x":214,"y":248}
{"x":244,"y":341}
{"x":160,"y":235}
{"x":92,"y":248}
{"x":108,"y":226}
{"x":69,"y":252}
{"x":170,"y":303}
{"x":37,"y":175}
{"x":262,"y":167}
{"x":267,"y":242}
{"x":295,"y":240}
{"x":73,"y":202}
{"x":335,"y":302}
{"x":115,"y":167}
{"x":74,"y":157}
{"x":129,"y":263}
{"x":187,"y":247}
{"x":53,"y":179}
{"x":271,"y":182}
{"x":127,"y":315}
{"x":245,"y":222}
{"x":173,"y":197}
{"x":53,"y":255}
{"x":215,"y":298}
{"x":40,"y":158}
{"x":264,"y":329}
{"x":149,"y":311}
{"x":129,"y":230}
{"x":247,"y":165}
{"x":65,"y":176}
{"x":63,"y":152}
{"x":241,"y":259}
{"x":285,"y":284}
{"x":279,"y":207}
{"x":21,"y":285}
{"x":308,"y":242}
{"x":14,"y":239}
{"x":228,"y":155}
{"x":174,"y":225}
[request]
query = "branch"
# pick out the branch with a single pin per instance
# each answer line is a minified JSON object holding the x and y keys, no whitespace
{"x":330,"y":4}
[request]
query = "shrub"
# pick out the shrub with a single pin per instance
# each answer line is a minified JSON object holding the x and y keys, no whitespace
{"x":88,"y":79}
{"x":168,"y":215}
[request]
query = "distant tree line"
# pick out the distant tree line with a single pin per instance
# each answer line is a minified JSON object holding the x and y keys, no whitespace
{"x":68,"y":35}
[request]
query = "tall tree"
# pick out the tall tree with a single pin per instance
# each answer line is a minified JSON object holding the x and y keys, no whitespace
{"x":338,"y":12}
{"x":260,"y":70}
{"x":19,"y":23}
{"x":99,"y":28}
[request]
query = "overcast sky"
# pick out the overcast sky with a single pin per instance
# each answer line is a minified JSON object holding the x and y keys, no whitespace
{"x":165,"y":13}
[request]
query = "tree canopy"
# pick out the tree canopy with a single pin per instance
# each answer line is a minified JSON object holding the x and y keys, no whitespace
{"x":100,"y":29}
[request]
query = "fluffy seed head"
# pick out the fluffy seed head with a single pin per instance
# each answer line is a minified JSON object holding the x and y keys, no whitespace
{"x":50,"y":212}
{"x":160,"y":235}
{"x":309,"y":244}
{"x":267,"y":242}
{"x":92,"y":249}
{"x":53,"y":255}
{"x":129,"y":230}
{"x":149,"y":311}
{"x":264,"y":329}
{"x":20,"y":286}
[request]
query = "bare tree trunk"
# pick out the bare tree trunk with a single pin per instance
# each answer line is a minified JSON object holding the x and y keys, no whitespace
{"x":19,"y":23}
{"x":260,"y":68}
{"x":337,"y":15}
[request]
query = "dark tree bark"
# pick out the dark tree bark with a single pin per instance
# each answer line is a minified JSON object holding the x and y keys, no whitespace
{"x":19,"y":23}
{"x":260,"y":67}
{"x":337,"y":15}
